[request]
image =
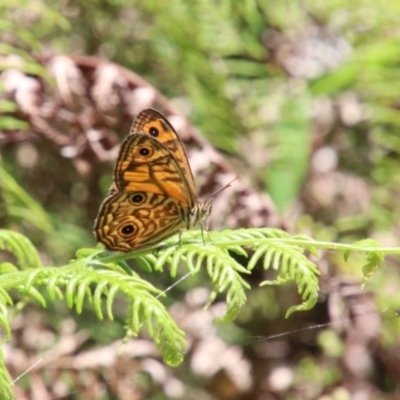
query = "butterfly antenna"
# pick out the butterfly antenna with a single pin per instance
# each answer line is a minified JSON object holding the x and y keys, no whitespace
{"x":224,"y":187}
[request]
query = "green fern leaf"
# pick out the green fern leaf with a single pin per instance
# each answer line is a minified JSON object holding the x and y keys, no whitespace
{"x":374,"y":258}
{"x":223,"y":270}
{"x":292,"y":265}
{"x":20,"y":205}
{"x":4,"y":321}
{"x":21,"y":248}
{"x":6,"y":383}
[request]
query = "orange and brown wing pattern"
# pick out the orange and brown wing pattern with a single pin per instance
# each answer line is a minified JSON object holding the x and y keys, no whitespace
{"x":145,"y":164}
{"x":153,"y":123}
{"x":134,"y":220}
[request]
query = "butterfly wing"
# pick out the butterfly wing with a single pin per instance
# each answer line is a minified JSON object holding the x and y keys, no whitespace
{"x":134,"y":220}
{"x":153,"y":195}
{"x":153,"y":123}
{"x":145,"y":164}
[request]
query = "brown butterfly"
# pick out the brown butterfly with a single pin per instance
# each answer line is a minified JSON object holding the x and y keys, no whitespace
{"x":153,"y":195}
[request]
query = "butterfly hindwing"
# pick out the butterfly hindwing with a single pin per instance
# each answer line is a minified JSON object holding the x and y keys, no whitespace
{"x":134,"y":220}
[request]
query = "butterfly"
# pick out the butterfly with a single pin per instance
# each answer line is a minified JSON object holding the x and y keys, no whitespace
{"x":153,"y":195}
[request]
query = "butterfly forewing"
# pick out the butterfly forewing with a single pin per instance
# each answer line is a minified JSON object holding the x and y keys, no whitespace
{"x":153,"y":123}
{"x":145,"y":164}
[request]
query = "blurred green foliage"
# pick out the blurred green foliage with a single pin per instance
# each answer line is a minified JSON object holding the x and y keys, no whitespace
{"x":20,"y":207}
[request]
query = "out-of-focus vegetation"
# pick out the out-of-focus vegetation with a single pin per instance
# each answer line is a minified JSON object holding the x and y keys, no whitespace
{"x":301,"y":98}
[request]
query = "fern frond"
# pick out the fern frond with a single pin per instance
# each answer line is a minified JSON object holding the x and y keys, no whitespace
{"x":97,"y":276}
{"x":6,"y":383}
{"x":21,"y":248}
{"x":269,"y":246}
{"x":223,"y":270}
{"x":5,"y":300}
{"x":308,"y":243}
{"x":83,"y":280}
{"x":373,"y":259}
{"x":20,"y":205}
{"x":278,"y":250}
{"x":165,"y":333}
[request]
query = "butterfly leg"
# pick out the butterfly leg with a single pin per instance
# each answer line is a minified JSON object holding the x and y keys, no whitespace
{"x":202,"y":234}
{"x":205,"y":231}
{"x":180,"y":237}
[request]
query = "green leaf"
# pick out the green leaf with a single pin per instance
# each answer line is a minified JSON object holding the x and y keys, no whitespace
{"x":21,"y":248}
{"x":286,"y":174}
{"x":374,"y":258}
{"x":20,"y":205}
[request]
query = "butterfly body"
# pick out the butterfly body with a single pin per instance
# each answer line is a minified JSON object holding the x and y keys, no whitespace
{"x":153,"y":195}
